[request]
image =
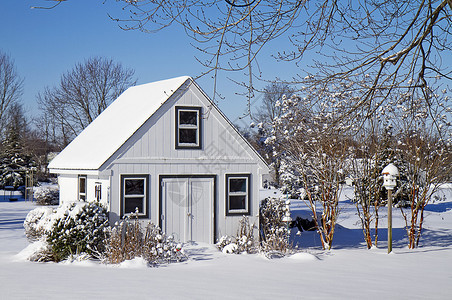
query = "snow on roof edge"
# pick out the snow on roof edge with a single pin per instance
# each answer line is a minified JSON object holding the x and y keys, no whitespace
{"x":119,"y":121}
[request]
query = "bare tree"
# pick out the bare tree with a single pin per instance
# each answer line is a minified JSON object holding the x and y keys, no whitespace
{"x":373,"y":150}
{"x":82,"y":94}
{"x":399,"y":46}
{"x":314,"y":153}
{"x":273,"y":93}
{"x":428,"y":164}
{"x":11,"y":87}
{"x":266,"y":114}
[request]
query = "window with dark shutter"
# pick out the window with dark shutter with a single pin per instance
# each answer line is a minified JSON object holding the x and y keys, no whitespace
{"x":188,"y":127}
{"x":134,"y":194}
{"x":238,"y":194}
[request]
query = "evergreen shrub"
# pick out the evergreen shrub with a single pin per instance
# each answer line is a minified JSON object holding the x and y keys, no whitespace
{"x":77,"y":227}
{"x":47,"y":196}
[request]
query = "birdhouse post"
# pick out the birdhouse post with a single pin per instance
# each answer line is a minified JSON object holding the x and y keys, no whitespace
{"x":390,"y":173}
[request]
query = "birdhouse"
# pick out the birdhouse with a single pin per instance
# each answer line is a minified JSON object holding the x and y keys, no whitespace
{"x":390,"y":173}
{"x":287,"y":217}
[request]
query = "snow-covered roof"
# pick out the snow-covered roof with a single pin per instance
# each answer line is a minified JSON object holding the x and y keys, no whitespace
{"x":115,"y":125}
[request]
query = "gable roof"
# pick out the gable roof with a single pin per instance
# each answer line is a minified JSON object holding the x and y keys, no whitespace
{"x":119,"y":121}
{"x":115,"y":125}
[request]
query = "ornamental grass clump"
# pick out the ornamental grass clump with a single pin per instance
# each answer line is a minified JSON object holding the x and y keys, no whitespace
{"x":243,"y":241}
{"x":128,"y":240}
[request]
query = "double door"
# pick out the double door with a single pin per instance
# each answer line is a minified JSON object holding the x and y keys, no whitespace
{"x":188,"y":208}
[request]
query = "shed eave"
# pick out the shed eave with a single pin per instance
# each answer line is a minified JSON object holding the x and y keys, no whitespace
{"x":95,"y":172}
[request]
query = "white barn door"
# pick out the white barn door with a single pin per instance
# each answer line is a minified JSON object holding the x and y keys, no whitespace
{"x":187,"y":208}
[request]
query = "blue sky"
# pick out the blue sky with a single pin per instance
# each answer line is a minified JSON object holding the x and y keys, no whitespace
{"x":46,"y":43}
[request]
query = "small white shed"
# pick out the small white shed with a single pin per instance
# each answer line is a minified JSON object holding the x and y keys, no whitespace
{"x":165,"y":149}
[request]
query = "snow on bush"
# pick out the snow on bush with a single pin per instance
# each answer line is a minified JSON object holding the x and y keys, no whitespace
{"x":224,"y":242}
{"x":274,"y":232}
{"x":47,"y":195}
{"x":79,"y":230}
{"x":38,"y":251}
{"x":128,"y":241}
{"x":35,"y":222}
{"x":243,"y":242}
{"x":73,"y":228}
{"x":230,"y":248}
{"x":77,"y":227}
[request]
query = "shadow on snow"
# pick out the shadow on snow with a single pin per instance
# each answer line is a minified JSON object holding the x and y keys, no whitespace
{"x":354,"y":238}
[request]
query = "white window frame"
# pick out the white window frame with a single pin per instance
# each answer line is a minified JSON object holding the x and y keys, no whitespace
{"x":246,"y":210}
{"x":145,"y":195}
{"x":197,"y":127}
{"x":79,"y":192}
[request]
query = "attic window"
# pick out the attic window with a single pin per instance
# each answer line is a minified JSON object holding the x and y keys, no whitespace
{"x":134,"y":192}
{"x":238,"y":194}
{"x":188,"y":127}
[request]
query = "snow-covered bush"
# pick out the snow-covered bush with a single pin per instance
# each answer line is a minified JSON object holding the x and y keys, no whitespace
{"x":224,"y":242}
{"x":242,"y":242}
{"x":159,"y":248}
{"x":274,"y":232}
{"x":75,"y":228}
{"x":35,"y":223}
{"x":47,"y":195}
{"x":230,"y":248}
{"x":128,"y":241}
{"x":38,"y":251}
{"x":70,"y":229}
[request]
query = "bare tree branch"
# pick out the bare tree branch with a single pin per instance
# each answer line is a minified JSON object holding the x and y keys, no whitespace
{"x":11,"y":87}
{"x":83,"y":93}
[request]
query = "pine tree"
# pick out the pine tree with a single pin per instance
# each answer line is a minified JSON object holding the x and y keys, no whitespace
{"x":14,"y":160}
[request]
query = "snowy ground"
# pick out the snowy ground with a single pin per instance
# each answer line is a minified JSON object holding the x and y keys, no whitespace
{"x":349,"y":271}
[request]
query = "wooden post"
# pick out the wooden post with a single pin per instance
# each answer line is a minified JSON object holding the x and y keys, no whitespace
{"x":389,"y":221}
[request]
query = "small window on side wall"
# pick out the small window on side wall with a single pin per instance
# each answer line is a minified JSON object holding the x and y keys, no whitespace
{"x":134,"y":195}
{"x":188,"y":127}
{"x":98,"y":191}
{"x":82,"y":188}
{"x":238,"y":194}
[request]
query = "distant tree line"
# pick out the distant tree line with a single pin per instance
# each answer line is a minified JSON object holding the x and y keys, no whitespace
{"x":27,"y":142}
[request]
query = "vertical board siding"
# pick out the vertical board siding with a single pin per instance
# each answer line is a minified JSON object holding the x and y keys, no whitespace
{"x":155,"y":140}
{"x":225,"y":224}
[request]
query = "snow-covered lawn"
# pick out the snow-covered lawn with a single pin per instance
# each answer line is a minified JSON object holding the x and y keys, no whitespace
{"x":349,"y":271}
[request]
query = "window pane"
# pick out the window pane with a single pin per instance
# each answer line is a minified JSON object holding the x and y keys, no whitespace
{"x":134,"y":187}
{"x":237,"y":202}
{"x":188,"y":117}
{"x":133,"y":202}
{"x":237,"y":185}
{"x":82,"y":185}
{"x":187,"y":136}
{"x":98,"y":192}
